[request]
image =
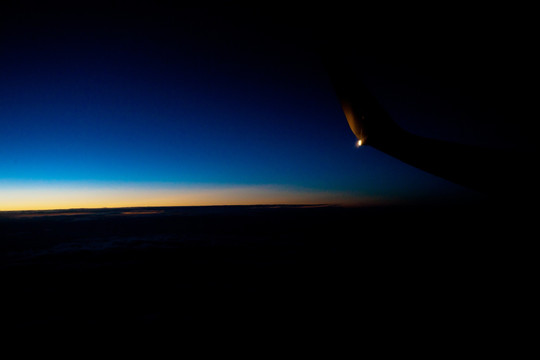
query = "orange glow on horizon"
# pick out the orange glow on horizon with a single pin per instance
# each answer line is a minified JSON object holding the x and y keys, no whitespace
{"x":53,"y":197}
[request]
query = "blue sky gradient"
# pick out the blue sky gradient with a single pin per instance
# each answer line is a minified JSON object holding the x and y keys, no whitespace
{"x":124,"y":103}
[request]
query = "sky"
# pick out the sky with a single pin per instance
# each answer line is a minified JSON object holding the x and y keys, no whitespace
{"x":206,"y":105}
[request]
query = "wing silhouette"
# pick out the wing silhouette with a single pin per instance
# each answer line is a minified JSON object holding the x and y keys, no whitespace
{"x":488,"y":170}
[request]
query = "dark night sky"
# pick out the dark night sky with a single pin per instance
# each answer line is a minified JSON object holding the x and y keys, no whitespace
{"x":126,"y":105}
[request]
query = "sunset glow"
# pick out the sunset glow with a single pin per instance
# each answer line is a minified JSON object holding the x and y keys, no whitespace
{"x":50,"y":196}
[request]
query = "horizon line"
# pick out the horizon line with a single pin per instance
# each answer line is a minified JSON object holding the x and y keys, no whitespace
{"x":182,"y":206}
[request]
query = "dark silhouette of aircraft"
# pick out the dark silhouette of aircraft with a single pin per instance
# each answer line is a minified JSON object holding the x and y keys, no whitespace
{"x":492,"y":171}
